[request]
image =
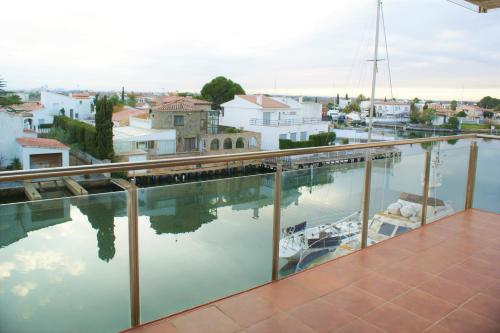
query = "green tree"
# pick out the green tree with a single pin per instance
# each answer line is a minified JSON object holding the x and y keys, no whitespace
{"x":453,"y":105}
{"x":104,"y":128}
{"x":115,"y":100}
{"x":416,"y":100}
{"x":131,"y":100}
{"x":6,"y":97}
{"x":338,"y":99}
{"x":220,"y":90}
{"x":453,"y":123}
{"x":426,"y":106}
{"x":360,"y":98}
{"x":488,"y":114}
{"x":489,"y":102}
{"x":346,"y":96}
{"x":414,"y":117}
{"x":428,"y":115}
{"x":461,"y":114}
{"x":351,"y":107}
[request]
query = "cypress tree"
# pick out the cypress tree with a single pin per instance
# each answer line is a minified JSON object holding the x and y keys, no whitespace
{"x":104,"y":128}
{"x":338,"y":99}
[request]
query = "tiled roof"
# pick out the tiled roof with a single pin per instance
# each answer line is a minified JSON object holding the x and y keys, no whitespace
{"x":29,"y":107}
{"x":41,"y":143}
{"x":176,"y":103}
{"x":80,"y":96}
{"x":265,"y":102}
{"x":127,"y":112}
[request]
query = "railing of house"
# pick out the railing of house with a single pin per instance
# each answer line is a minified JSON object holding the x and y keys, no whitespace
{"x":285,"y":122}
{"x":279,"y":157}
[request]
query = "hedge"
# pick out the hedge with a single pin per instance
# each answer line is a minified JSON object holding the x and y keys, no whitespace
{"x":78,"y":132}
{"x":315,"y":140}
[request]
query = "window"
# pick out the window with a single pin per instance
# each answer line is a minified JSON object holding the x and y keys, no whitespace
{"x":228,"y":143}
{"x":386,"y":229}
{"x":76,"y":115}
{"x":214,"y":145}
{"x":178,"y":120}
{"x":189,"y":144}
{"x":240,"y":143}
{"x":80,"y":102}
{"x":303,"y":136}
{"x":293,"y":136}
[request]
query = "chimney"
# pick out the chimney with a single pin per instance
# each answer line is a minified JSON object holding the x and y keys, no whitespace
{"x":259,"y":99}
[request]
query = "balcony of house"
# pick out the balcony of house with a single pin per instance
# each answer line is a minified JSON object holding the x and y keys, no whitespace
{"x":285,"y":122}
{"x":407,"y":242}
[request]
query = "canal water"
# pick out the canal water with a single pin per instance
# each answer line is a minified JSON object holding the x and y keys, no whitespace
{"x":64,"y":262}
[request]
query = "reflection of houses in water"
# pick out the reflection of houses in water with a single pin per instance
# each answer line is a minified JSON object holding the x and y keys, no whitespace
{"x":186,"y":207}
{"x":16,"y":220}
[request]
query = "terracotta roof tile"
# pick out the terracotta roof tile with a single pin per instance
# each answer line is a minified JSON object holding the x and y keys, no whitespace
{"x":29,"y":107}
{"x":266,"y":102}
{"x":177,"y":103}
{"x":41,"y":143}
{"x":127,"y":112}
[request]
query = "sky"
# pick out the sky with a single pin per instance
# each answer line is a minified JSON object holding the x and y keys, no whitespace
{"x":437,"y":50}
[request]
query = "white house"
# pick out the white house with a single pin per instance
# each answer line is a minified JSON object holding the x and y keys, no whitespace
{"x":18,"y":140}
{"x":392,"y":109}
{"x":138,"y":140}
{"x":36,"y":153}
{"x":75,"y":106}
{"x":274,"y":117}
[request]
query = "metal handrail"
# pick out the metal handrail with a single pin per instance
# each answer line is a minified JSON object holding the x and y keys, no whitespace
{"x":194,"y":160}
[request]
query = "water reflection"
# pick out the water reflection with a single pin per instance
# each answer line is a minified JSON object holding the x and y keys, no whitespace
{"x":101,"y":212}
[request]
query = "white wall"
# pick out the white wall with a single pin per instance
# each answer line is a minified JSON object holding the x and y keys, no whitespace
{"x":239,"y":112}
{"x":54,"y":102}
{"x":24,"y":154}
{"x":11,"y":128}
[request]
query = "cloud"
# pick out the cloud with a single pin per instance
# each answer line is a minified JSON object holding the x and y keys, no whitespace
{"x":29,"y":261}
{"x":6,"y":268}
{"x":23,"y":289}
{"x":313,"y":47}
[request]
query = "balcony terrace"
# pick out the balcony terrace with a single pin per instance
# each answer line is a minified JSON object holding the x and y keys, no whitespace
{"x":443,"y":277}
{"x":413,"y":248}
{"x":285,"y":122}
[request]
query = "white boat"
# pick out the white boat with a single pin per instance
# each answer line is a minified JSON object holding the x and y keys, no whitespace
{"x":296,"y":240}
{"x":405,"y":215}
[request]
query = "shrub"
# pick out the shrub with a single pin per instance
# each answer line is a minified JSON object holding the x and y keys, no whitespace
{"x":15,"y":164}
{"x":315,"y":140}
{"x":344,"y":141}
{"x":71,"y":131}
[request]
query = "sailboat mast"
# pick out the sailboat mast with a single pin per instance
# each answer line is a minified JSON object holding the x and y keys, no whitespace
{"x":374,"y":80}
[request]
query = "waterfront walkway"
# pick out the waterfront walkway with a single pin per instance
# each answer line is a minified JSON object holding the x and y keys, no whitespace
{"x":442,"y":278}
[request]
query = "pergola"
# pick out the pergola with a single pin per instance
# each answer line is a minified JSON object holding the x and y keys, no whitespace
{"x":485,"y":5}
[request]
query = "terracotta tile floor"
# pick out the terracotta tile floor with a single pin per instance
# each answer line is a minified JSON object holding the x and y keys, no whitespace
{"x":444,"y":277}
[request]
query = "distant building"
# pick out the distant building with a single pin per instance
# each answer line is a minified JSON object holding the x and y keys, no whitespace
{"x":391,"y":109}
{"x":75,"y":106}
{"x":274,"y":118}
{"x":472,"y":111}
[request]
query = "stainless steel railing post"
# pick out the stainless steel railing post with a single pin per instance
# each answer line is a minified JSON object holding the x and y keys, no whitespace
{"x":425,"y":196}
{"x":366,"y":200}
{"x":276,"y":221}
{"x":471,"y":176}
{"x":133,"y":244}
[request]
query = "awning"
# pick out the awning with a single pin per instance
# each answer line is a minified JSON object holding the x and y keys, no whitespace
{"x":485,"y":5}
